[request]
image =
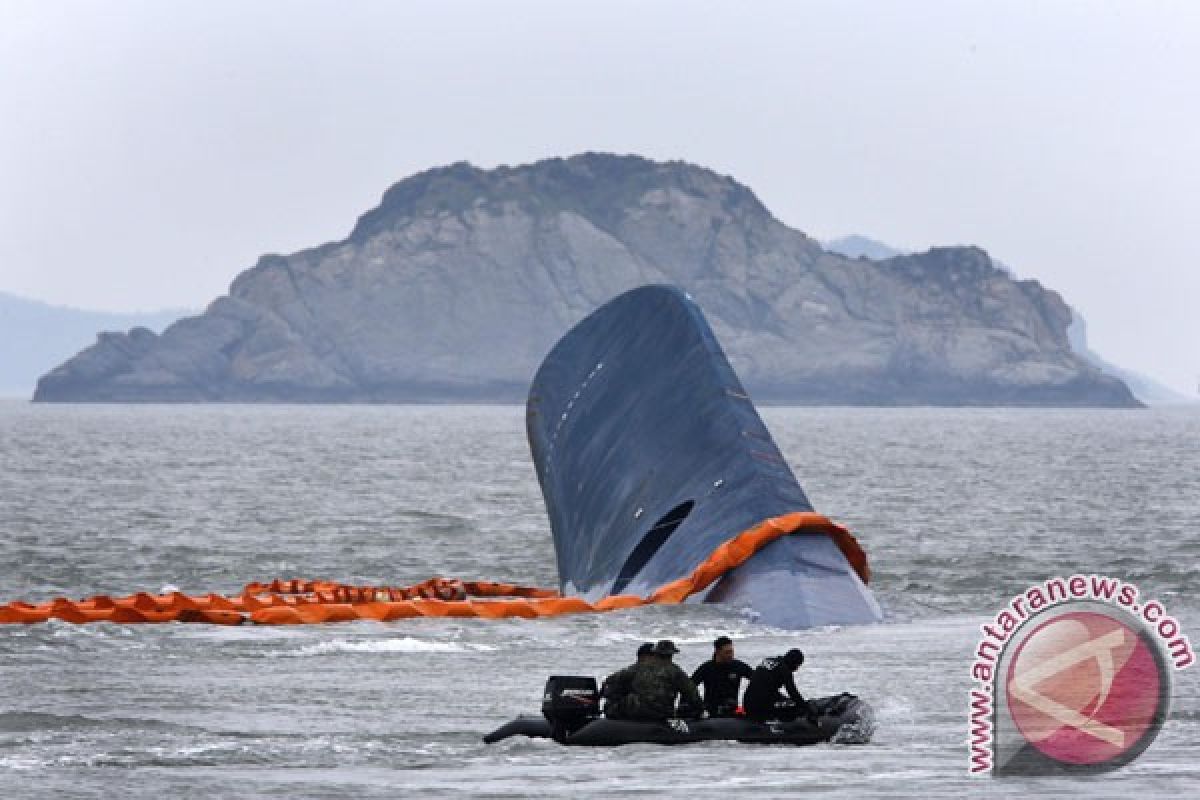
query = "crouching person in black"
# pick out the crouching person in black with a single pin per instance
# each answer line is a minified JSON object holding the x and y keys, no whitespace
{"x":764,"y":700}
{"x":721,"y":678}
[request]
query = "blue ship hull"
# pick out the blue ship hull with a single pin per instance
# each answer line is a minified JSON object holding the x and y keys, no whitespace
{"x":650,"y":455}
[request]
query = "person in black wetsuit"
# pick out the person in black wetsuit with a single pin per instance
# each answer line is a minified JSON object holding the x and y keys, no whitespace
{"x":764,"y":700}
{"x":721,"y":678}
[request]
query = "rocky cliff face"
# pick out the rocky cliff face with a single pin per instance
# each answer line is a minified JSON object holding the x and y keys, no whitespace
{"x":456,"y":286}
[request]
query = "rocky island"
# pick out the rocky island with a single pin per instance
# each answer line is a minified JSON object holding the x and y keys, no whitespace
{"x":459,"y":282}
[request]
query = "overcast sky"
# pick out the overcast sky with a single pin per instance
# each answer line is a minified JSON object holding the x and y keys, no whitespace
{"x":150,"y":151}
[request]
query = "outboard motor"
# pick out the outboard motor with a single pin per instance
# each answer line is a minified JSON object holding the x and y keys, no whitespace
{"x":569,"y":703}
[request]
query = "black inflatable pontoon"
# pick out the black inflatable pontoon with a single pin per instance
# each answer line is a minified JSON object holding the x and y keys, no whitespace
{"x":570,"y":715}
{"x":845,"y":719}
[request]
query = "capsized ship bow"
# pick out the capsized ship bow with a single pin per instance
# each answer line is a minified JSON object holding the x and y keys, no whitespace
{"x":650,"y":454}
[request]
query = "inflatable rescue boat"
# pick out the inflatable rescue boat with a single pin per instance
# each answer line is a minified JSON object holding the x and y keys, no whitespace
{"x":571,"y":716}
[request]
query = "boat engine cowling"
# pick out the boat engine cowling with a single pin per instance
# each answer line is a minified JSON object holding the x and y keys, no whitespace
{"x":570,"y":702}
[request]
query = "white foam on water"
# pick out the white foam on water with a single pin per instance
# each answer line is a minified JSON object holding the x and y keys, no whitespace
{"x":406,"y":644}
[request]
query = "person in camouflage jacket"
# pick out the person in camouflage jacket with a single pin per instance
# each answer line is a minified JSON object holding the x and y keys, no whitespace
{"x":656,"y":683}
{"x":616,"y":687}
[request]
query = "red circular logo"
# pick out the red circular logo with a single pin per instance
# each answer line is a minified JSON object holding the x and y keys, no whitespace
{"x":1085,"y":688}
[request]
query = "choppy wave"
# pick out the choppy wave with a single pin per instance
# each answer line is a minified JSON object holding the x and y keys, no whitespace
{"x":33,"y":721}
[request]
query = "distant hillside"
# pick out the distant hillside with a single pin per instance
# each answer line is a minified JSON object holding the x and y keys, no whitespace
{"x":856,"y":246}
{"x":35,"y":337}
{"x":1147,"y":390}
{"x":457,"y":285}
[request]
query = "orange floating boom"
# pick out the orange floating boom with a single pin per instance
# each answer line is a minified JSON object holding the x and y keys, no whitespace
{"x":302,"y":602}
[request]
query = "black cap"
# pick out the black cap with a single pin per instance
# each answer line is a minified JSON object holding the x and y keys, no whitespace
{"x":645,"y":649}
{"x":793,"y":658}
{"x":665,"y":647}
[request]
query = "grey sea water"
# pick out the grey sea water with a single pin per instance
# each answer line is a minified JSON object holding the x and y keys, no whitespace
{"x":957,"y":509}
